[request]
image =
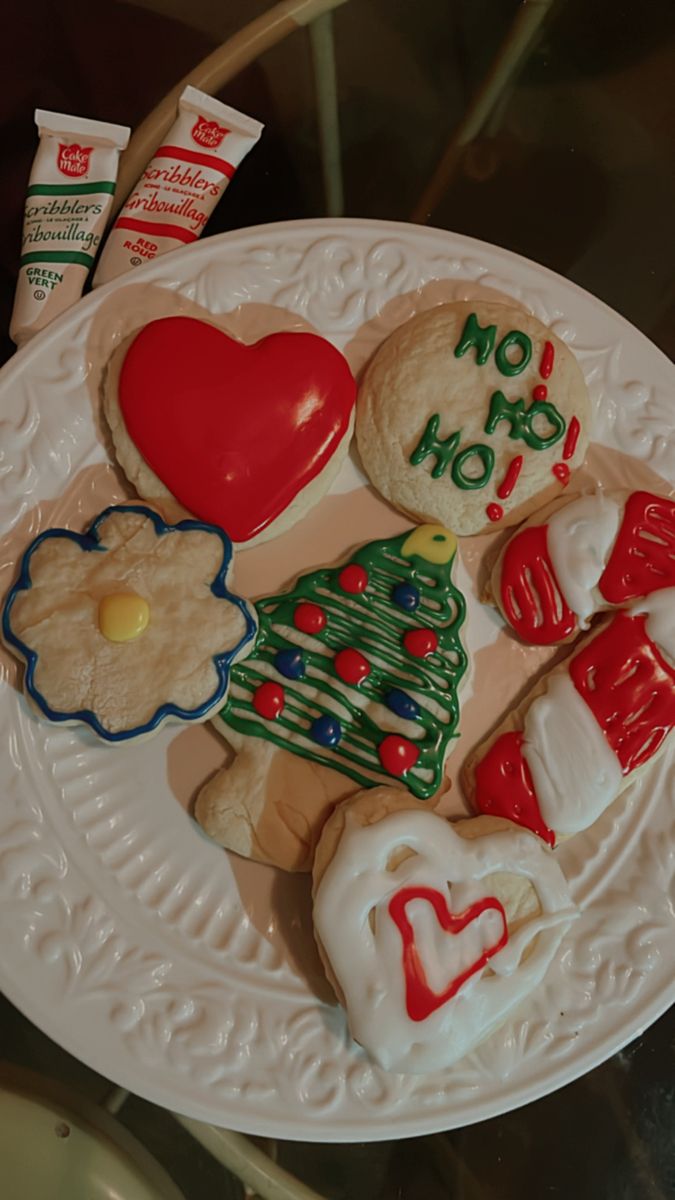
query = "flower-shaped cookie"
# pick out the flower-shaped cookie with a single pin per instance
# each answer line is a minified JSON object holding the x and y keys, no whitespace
{"x":128,"y":624}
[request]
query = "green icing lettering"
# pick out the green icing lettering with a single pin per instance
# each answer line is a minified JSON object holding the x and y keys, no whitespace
{"x":443,"y":449}
{"x":473,"y":334}
{"x":371,"y":623}
{"x":504,"y":363}
{"x":521,"y":420}
{"x":469,"y":482}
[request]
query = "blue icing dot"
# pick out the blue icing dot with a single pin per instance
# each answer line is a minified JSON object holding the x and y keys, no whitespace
{"x":406,"y":596}
{"x":290,"y":663}
{"x":402,"y":704}
{"x":327,"y":731}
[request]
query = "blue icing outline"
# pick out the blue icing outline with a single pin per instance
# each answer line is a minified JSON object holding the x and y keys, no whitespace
{"x":90,"y":541}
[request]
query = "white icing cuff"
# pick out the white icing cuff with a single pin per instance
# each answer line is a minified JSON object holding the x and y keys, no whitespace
{"x":575,"y":773}
{"x":660,"y":624}
{"x":579,"y":539}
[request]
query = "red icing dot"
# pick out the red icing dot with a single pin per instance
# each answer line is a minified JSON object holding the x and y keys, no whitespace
{"x":268,"y":700}
{"x":353,"y":578}
{"x":420,"y":642}
{"x":540,"y":392}
{"x":495,"y":512}
{"x":562,"y":472}
{"x":397,"y":754}
{"x":309,"y":618}
{"x":351,"y":666}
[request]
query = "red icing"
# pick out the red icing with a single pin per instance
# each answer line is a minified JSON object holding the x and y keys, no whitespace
{"x":530,"y":594}
{"x":420,"y":642}
{"x":511,"y":478}
{"x":494,"y":512}
{"x":643,"y":557}
{"x":351,"y":666}
{"x":540,"y":392}
{"x":504,"y":786}
{"x":353,"y":579}
{"x":572,"y":438}
{"x":233,"y":431}
{"x":397,"y":754}
{"x":309,"y":618}
{"x":268,"y":700}
{"x":629,"y":688}
{"x":421,"y":1001}
{"x":562,"y":473}
{"x":547,"y":359}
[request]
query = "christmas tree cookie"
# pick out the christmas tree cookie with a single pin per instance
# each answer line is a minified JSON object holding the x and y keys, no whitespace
{"x":356,"y":674}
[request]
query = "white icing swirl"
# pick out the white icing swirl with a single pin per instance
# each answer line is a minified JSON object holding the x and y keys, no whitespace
{"x":366,"y":956}
{"x":660,"y":623}
{"x":576,"y":774}
{"x":579,"y":538}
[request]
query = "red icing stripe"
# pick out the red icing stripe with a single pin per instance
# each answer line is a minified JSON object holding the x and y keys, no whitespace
{"x":504,"y":786}
{"x":530,"y":593}
{"x":629,"y":688}
{"x":194,"y":156}
{"x":420,"y":999}
{"x":643,"y":557}
{"x":157,"y":229}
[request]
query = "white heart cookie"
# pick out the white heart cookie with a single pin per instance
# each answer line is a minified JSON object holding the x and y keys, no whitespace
{"x":432,"y":935}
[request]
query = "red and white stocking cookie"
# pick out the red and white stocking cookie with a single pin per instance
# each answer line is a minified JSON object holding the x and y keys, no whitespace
{"x":432,"y":933}
{"x":244,"y":437}
{"x":598,"y":552}
{"x":589,"y":728}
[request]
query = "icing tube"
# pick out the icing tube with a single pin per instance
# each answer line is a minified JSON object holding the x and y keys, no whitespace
{"x":70,"y":191}
{"x":181,"y":186}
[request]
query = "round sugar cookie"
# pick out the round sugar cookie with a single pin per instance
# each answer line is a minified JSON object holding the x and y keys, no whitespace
{"x":472,"y":415}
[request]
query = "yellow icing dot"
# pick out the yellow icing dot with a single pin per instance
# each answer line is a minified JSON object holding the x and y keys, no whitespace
{"x":435,"y":543}
{"x":122,"y":616}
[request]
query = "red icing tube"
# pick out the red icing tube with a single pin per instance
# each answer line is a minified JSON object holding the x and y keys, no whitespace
{"x":181,"y":185}
{"x":629,"y":688}
{"x":530,"y":594}
{"x":504,"y":786}
{"x":643,"y":557}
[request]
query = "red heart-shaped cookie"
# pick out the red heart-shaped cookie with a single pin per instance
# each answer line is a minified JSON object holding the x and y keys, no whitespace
{"x":234,"y":432}
{"x":421,"y":1000}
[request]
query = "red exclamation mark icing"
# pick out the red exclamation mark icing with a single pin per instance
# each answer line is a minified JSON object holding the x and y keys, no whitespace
{"x":511,"y":478}
{"x":495,"y":512}
{"x":547,"y":359}
{"x":572,"y":438}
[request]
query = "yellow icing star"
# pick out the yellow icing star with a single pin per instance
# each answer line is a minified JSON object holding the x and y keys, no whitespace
{"x":122,"y":616}
{"x":435,"y":543}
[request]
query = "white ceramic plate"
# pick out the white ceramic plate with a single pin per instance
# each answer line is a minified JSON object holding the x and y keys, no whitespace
{"x":137,"y":944}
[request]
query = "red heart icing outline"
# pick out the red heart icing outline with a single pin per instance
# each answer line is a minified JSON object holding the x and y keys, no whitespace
{"x":421,"y":1000}
{"x":234,"y":431}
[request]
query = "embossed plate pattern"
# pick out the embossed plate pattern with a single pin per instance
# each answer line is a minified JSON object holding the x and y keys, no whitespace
{"x":122,"y":933}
